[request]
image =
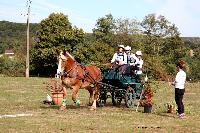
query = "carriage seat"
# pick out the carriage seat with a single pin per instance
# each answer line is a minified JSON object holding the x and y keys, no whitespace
{"x":130,"y":70}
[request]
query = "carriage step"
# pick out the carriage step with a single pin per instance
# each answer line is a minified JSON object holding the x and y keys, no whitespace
{"x":108,"y":96}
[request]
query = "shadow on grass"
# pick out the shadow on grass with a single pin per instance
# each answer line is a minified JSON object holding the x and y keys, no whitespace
{"x":56,"y":107}
{"x":165,"y":114}
{"x":107,"y":106}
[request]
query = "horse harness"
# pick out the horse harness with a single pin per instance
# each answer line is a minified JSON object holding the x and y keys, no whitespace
{"x":83,"y":78}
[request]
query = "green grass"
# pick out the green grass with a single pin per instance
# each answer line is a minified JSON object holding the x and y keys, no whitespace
{"x":21,"y":95}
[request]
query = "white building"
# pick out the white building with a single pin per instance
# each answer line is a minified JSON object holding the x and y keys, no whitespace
{"x":9,"y":53}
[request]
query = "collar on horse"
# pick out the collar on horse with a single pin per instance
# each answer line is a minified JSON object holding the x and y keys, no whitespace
{"x":85,"y":75}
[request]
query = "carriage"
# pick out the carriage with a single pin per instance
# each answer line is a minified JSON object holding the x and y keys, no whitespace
{"x":118,"y":87}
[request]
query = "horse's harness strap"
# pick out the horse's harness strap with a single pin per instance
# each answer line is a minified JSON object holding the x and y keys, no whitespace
{"x":85,"y":75}
{"x":67,"y":74}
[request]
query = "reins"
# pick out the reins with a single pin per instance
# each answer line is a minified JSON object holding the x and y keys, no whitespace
{"x":85,"y":75}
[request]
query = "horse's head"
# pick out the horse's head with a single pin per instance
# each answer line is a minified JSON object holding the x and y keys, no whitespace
{"x":65,"y":62}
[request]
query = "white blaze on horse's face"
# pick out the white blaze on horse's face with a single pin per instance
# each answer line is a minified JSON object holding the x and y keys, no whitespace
{"x":61,"y":58}
{"x":59,"y":65}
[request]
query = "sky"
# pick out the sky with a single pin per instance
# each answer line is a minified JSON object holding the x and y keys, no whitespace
{"x":185,"y":14}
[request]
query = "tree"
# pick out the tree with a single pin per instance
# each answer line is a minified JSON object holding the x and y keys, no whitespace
{"x":12,"y":67}
{"x":127,"y":26}
{"x":127,"y":32}
{"x":162,"y":38}
{"x":104,"y":29}
{"x":55,"y":33}
{"x":156,"y":29}
{"x":96,"y":53}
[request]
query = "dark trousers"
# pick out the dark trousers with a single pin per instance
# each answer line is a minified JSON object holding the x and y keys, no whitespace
{"x":178,"y":98}
{"x":119,"y":68}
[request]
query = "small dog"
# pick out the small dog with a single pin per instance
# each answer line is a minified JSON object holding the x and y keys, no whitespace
{"x":169,"y":108}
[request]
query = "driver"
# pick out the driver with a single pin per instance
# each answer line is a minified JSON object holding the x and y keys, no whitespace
{"x":119,"y":59}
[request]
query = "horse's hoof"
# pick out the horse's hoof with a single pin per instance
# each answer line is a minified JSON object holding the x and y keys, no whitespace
{"x":92,"y":108}
{"x":77,"y":103}
{"x":89,"y":104}
{"x":62,"y":108}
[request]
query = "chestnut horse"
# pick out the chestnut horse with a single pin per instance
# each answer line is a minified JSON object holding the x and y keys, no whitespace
{"x":77,"y":76}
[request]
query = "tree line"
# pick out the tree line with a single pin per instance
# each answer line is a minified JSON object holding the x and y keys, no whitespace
{"x":155,"y":36}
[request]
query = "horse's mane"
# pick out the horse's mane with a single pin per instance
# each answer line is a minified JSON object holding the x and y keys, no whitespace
{"x":70,"y":55}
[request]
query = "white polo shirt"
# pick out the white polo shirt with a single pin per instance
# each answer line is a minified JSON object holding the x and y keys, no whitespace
{"x":180,"y":80}
{"x":119,"y":56}
{"x":139,"y":63}
{"x":131,"y":59}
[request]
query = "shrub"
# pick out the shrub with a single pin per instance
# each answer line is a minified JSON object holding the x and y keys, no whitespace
{"x":12,"y":67}
{"x":147,"y":99}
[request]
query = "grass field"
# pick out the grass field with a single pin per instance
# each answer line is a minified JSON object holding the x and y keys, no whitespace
{"x":21,"y":95}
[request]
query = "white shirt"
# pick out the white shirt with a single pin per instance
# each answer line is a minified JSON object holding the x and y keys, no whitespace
{"x":119,"y":57}
{"x":131,"y":59}
{"x":180,"y":79}
{"x":139,"y":63}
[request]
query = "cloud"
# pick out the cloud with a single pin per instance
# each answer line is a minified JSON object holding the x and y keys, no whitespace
{"x":152,"y":1}
{"x":43,"y":8}
{"x":181,"y":13}
{"x":12,"y":14}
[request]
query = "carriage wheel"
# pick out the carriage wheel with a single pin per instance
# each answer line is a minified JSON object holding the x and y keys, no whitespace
{"x":115,"y":100}
{"x":130,"y":97}
{"x":102,"y":99}
{"x":119,"y":101}
{"x":101,"y":102}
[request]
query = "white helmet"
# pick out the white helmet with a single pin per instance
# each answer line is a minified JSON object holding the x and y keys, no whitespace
{"x":139,"y":53}
{"x":121,"y":46}
{"x":127,"y":48}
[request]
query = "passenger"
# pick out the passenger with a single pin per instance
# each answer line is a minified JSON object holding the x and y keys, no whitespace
{"x":130,"y":67}
{"x":130,"y":56}
{"x":138,"y":63}
{"x":119,"y":59}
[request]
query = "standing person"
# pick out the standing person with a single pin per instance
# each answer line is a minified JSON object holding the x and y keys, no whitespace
{"x":119,"y":59}
{"x":179,"y":84}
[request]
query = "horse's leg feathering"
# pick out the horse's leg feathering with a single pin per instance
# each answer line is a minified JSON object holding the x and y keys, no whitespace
{"x":77,"y":102}
{"x":93,"y":107}
{"x":64,"y":103}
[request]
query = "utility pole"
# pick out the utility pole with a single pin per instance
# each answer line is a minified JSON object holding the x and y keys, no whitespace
{"x":27,"y":39}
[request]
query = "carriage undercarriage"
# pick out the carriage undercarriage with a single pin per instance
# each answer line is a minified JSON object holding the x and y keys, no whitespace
{"x":119,"y":87}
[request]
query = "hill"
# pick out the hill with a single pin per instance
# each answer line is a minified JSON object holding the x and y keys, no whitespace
{"x":13,"y":36}
{"x":191,"y":42}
